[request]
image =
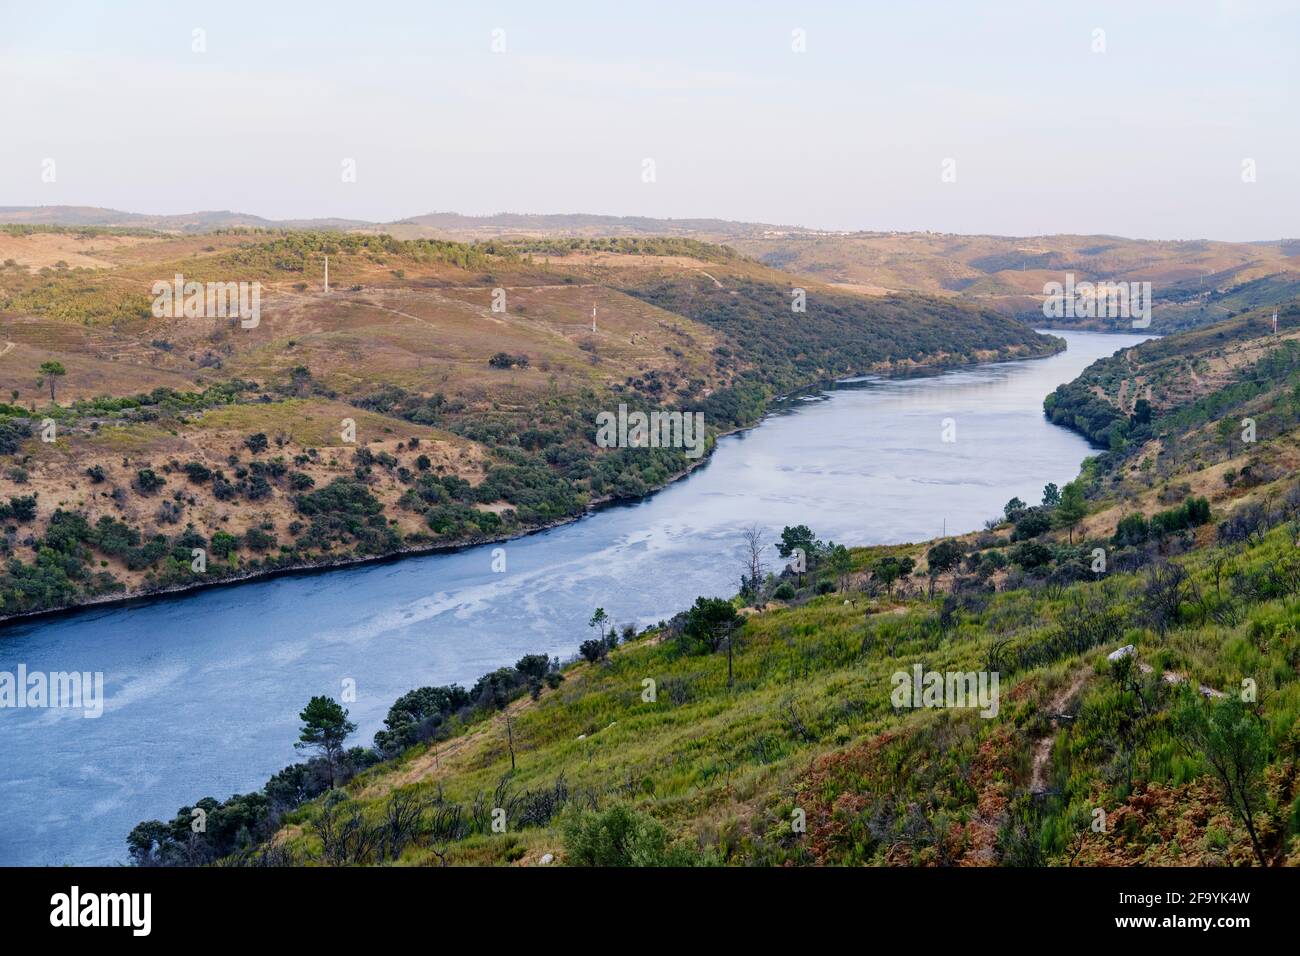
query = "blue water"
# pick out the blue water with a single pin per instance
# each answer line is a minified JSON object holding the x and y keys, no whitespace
{"x":203,"y":690}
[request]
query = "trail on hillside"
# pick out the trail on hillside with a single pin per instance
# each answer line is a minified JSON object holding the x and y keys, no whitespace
{"x":1056,"y":706}
{"x":1043,"y":747}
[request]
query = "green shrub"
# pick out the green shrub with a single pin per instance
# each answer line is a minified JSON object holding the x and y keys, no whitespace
{"x":620,"y":836}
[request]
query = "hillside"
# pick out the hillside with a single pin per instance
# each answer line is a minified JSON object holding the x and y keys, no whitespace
{"x":1142,"y":623}
{"x":438,"y":393}
{"x":1192,"y":282}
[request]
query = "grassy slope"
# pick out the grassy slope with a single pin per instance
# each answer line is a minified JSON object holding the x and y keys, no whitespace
{"x":809,"y":723}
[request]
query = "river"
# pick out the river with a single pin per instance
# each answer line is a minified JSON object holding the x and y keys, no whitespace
{"x":203,"y":690}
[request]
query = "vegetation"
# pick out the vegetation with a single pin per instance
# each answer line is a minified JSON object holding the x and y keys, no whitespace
{"x":1169,"y":637}
{"x":210,"y":422}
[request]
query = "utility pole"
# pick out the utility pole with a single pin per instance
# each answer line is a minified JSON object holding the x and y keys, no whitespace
{"x":593,"y":318}
{"x":327,"y":273}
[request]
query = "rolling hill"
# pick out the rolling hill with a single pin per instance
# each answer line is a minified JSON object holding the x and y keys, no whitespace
{"x":1193,"y":282}
{"x":438,"y":393}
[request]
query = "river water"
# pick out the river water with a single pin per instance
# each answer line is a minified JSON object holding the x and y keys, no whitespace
{"x":203,"y":690}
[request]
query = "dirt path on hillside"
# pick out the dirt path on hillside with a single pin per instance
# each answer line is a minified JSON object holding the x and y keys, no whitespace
{"x":1043,"y":747}
{"x":1038,"y":782}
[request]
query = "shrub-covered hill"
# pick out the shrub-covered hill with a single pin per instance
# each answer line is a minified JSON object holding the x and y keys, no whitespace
{"x":1164,"y":385}
{"x":1192,"y":282}
{"x":439,"y":393}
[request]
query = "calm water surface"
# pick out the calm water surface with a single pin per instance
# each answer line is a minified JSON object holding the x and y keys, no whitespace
{"x":203,"y":691}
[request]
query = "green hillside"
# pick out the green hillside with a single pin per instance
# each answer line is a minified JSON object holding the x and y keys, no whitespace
{"x":1143,"y":624}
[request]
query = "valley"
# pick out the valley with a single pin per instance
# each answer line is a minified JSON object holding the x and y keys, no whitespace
{"x":438,"y":394}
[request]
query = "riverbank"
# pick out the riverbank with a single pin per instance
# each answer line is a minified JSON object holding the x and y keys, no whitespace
{"x":322,"y":565}
{"x":202,"y":692}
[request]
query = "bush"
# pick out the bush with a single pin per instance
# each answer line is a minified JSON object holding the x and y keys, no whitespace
{"x":1035,"y":522}
{"x":259,"y":540}
{"x":197,"y":472}
{"x":147,"y":481}
{"x":12,"y":435}
{"x":620,"y":836}
{"x":785,"y":592}
{"x":1031,"y":555}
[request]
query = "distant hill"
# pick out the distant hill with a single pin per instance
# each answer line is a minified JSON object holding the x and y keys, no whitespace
{"x":429,"y":225}
{"x":1193,"y":282}
{"x":206,"y":221}
{"x":582,"y":224}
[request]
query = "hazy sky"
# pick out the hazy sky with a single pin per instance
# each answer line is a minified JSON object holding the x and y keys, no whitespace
{"x":1145,"y":139}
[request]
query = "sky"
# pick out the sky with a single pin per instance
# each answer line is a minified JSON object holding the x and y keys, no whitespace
{"x":1007,"y":117}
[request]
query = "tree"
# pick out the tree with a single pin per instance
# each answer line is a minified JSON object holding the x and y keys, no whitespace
{"x":1163,"y":593}
{"x":1014,"y":509}
{"x":841,"y":564}
{"x":1072,"y":508}
{"x":753,"y":569}
{"x":1051,"y":495}
{"x":325,"y":726}
{"x":1235,"y":745}
{"x":800,"y":536}
{"x":711,"y":622}
{"x":889,"y":569}
{"x":52,"y":372}
{"x":1141,"y":412}
{"x":599,"y":620}
{"x":942,"y":558}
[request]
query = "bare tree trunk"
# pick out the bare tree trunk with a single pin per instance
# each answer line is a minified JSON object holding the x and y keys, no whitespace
{"x":754,"y":567}
{"x":510,"y":739}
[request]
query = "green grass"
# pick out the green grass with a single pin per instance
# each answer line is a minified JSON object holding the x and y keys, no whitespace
{"x":809,"y":724}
